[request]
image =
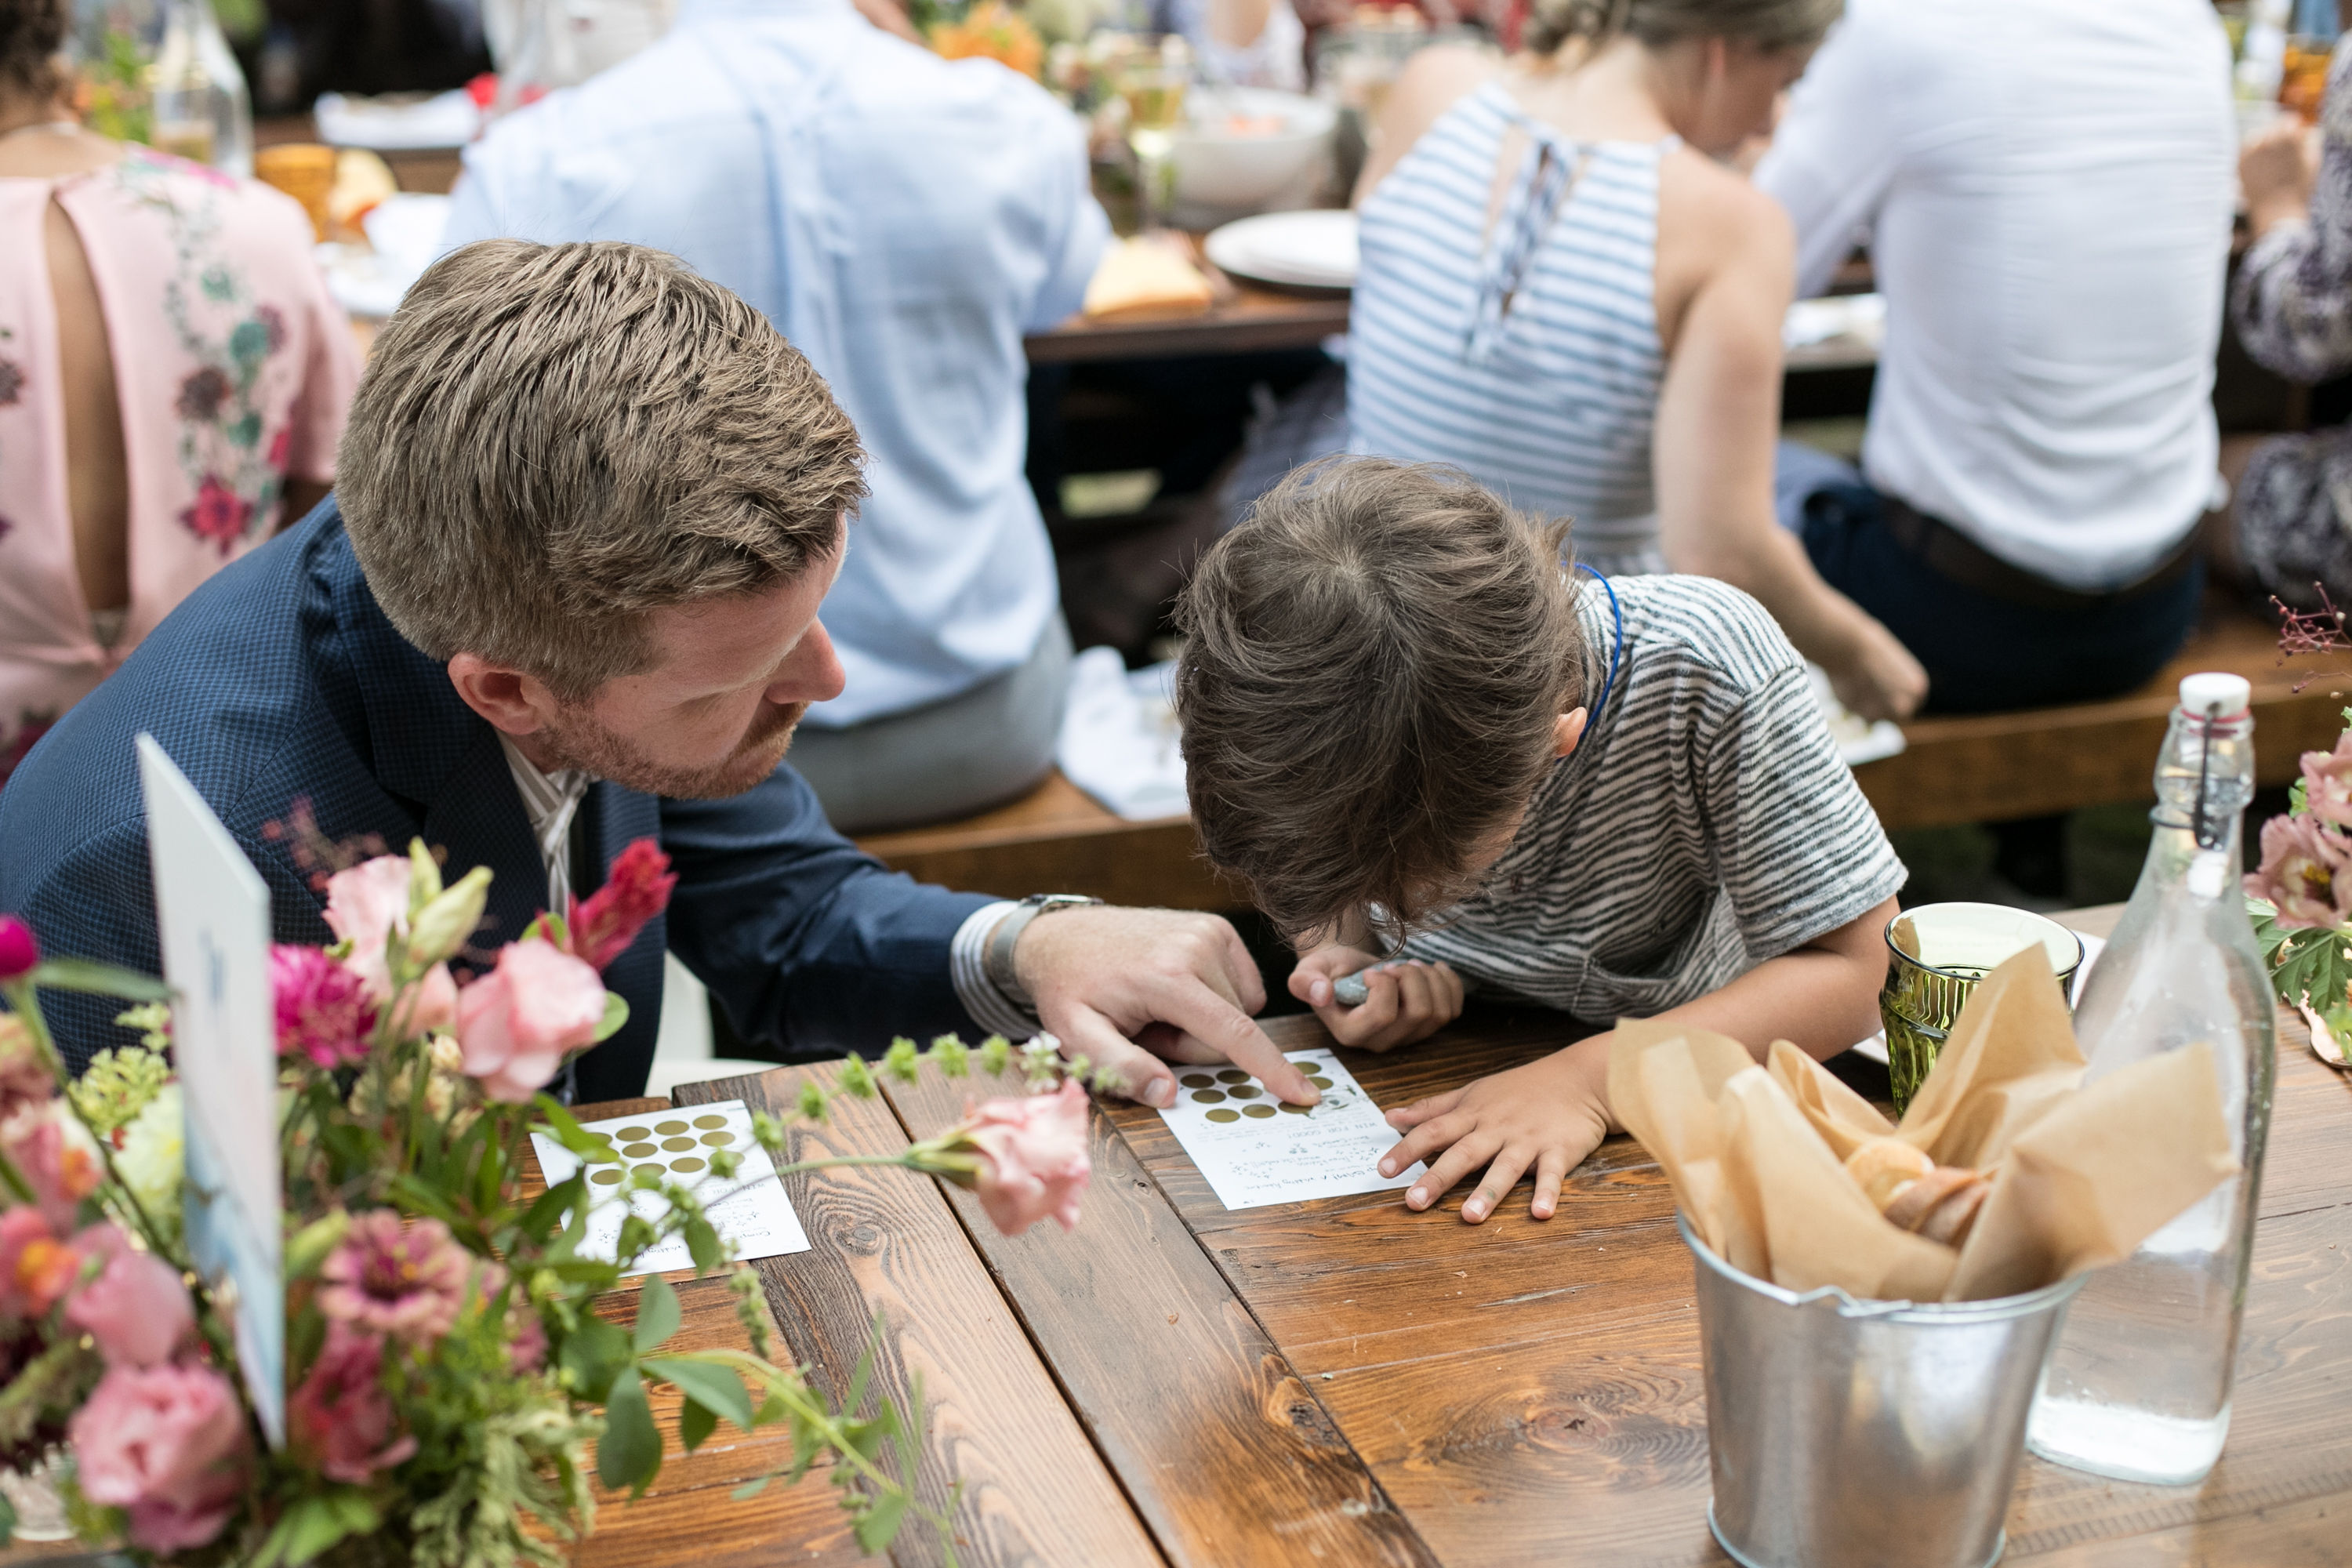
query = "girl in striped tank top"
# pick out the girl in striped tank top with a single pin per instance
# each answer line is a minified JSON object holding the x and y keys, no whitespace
{"x":1565,"y":295}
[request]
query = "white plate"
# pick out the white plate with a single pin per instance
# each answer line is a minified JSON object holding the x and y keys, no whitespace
{"x":1875,"y":1048}
{"x":1311,"y":249}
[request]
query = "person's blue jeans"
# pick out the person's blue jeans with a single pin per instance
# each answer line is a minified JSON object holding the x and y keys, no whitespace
{"x":1982,"y":654}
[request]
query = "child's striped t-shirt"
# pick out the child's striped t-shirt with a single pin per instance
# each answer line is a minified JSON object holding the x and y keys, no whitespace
{"x":1705,"y":823}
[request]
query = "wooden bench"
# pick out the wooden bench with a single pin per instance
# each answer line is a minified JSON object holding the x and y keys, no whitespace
{"x":1980,"y":768}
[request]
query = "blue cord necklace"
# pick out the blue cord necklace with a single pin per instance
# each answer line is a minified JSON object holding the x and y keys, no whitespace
{"x":1616,"y":650}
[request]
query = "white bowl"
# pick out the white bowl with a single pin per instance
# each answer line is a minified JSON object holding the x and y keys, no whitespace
{"x":1244,"y":170}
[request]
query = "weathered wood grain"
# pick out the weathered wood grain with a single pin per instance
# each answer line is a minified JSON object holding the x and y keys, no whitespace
{"x":886,"y":1242}
{"x":1228,"y":1455}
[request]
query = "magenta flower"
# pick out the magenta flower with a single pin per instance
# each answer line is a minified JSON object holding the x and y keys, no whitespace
{"x":18,"y":952}
{"x":136,"y":1308}
{"x":323,"y":1010}
{"x":517,"y":1023}
{"x":341,"y":1417}
{"x":1032,"y":1158}
{"x":607,"y":920}
{"x":219,"y":514}
{"x":2302,"y":874}
{"x":168,"y":1444}
{"x":405,"y":1281}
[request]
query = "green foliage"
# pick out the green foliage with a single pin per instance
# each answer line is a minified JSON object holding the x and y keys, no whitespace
{"x":2308,"y":966}
{"x":98,"y":980}
{"x":630,"y":1452}
{"x":118,"y":1084}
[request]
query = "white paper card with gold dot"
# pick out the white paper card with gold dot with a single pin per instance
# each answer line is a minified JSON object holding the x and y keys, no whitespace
{"x":1256,"y":1150}
{"x":749,"y":1209}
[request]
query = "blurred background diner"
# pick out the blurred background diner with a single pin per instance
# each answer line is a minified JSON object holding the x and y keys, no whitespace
{"x":1935,"y":325}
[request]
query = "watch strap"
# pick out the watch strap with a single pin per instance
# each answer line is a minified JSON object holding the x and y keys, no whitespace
{"x":998,"y":959}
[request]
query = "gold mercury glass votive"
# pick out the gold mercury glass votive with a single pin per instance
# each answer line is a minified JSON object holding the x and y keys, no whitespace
{"x":1936,"y":955}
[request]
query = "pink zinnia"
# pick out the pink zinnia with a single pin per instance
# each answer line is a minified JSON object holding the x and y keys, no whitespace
{"x":340,"y":1415}
{"x":219,"y":514}
{"x":405,"y":1281}
{"x":167,"y":1444}
{"x":635,"y":890}
{"x":323,"y":1010}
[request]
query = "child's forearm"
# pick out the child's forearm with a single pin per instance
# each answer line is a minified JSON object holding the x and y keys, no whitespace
{"x":1822,"y":998}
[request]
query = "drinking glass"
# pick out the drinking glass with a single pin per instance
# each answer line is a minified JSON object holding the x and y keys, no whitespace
{"x":1936,"y":955}
{"x":1153,"y":87}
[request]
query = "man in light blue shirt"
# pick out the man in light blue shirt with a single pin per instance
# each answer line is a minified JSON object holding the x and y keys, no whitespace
{"x":903,"y":220}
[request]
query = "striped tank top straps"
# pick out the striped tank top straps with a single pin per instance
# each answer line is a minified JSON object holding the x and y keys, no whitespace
{"x":1540,"y":188}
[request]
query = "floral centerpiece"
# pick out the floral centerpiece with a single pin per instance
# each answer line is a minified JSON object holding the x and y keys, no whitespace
{"x":2301,"y":899}
{"x":452,"y":1386}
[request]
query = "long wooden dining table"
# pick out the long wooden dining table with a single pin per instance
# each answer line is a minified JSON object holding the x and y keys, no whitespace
{"x":1346,"y":1382}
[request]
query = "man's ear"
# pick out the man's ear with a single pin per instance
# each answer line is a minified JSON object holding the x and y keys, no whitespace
{"x":516,"y":703}
{"x":1567,"y":731}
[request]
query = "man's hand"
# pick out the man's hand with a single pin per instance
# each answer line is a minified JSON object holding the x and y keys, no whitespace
{"x":1405,"y":1002}
{"x":2277,"y":170}
{"x":1549,"y":1114}
{"x":1181,"y":985}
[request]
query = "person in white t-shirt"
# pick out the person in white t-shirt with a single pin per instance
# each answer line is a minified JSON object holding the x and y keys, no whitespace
{"x":2046,"y":189}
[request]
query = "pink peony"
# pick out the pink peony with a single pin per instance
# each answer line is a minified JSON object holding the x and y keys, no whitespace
{"x":136,"y":1308}
{"x":2303,"y":873}
{"x":168,"y":1443}
{"x":2327,"y":783}
{"x":517,"y":1023}
{"x":35,"y":1268}
{"x":53,"y":1153}
{"x":607,"y":920}
{"x":367,"y":906}
{"x":1033,"y":1160}
{"x":26,"y":1081}
{"x":407,"y":1281}
{"x":341,"y":1417}
{"x":323,"y":1010}
{"x":18,"y":952}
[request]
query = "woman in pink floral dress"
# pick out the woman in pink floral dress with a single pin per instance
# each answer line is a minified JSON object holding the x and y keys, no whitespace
{"x":173,"y":377}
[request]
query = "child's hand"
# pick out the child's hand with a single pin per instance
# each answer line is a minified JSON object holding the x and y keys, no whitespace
{"x":1406,"y":1001}
{"x":1549,"y":1114}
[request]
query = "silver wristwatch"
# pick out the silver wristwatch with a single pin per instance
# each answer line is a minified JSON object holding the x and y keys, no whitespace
{"x":998,"y":959}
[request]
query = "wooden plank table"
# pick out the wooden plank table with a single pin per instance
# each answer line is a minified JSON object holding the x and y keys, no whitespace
{"x":1345,"y":1381}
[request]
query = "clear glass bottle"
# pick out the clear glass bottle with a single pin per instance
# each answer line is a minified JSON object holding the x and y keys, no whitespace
{"x":201,"y":108}
{"x":2138,"y":1387}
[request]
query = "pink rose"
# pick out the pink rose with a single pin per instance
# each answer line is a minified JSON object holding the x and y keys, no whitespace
{"x":366,"y":906}
{"x":516,"y":1024}
{"x":431,"y":1006}
{"x":53,"y":1153}
{"x":2303,"y":873}
{"x":136,"y":1308}
{"x":168,"y":1443}
{"x":2327,"y":783}
{"x":325,"y":1012}
{"x":340,"y":1417}
{"x":35,"y":1268}
{"x":1033,"y":1155}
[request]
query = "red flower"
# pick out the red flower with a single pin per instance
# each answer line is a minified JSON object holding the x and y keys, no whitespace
{"x":280,"y":446}
{"x":18,"y":952}
{"x":201,"y":395}
{"x":220,"y":514}
{"x":635,"y":890}
{"x":323,"y":1009}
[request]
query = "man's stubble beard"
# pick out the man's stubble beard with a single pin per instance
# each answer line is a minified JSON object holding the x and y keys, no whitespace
{"x":581,"y":742}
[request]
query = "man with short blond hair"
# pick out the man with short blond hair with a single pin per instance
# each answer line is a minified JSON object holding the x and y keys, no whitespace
{"x":567,"y":598}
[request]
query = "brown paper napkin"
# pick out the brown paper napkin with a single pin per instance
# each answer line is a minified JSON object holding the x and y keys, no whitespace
{"x":2080,"y":1175}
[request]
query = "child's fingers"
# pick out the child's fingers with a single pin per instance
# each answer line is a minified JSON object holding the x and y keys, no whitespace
{"x":1362,"y":1025}
{"x":1476,"y":1147}
{"x":1551,"y":1168}
{"x":1420,"y":1111}
{"x":1450,"y":991}
{"x":1502,"y":1174}
{"x":1424,"y":1141}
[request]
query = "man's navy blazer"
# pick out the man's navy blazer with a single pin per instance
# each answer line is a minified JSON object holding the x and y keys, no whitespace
{"x":280,"y":680}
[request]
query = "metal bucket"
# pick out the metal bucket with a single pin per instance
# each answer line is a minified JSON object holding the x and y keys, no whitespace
{"x":1846,"y":1434}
